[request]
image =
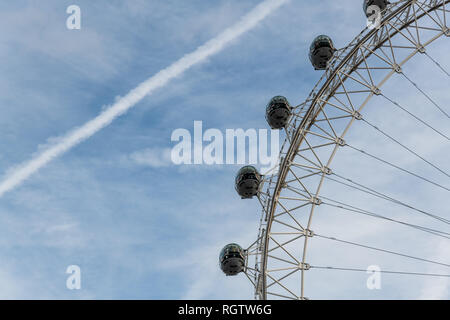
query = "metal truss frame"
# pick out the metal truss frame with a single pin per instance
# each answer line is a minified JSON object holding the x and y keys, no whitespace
{"x":316,"y":132}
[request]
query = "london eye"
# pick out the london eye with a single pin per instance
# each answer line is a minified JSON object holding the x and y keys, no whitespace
{"x":317,"y":130}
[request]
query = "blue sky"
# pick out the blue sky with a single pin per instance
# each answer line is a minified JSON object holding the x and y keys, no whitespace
{"x":138,"y":227}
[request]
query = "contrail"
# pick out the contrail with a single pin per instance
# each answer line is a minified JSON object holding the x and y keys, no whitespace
{"x":19,"y":174}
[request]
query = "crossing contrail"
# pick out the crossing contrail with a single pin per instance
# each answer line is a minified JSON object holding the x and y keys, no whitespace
{"x":16,"y":175}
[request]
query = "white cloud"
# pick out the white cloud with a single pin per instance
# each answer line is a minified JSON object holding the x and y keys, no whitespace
{"x":249,"y":21}
{"x":94,"y":209}
{"x":152,"y":157}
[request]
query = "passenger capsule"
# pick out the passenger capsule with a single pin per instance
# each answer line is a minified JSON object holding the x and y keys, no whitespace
{"x":278,"y":112}
{"x":232,"y":259}
{"x":321,"y":51}
{"x":382,"y":4}
{"x":247,"y":182}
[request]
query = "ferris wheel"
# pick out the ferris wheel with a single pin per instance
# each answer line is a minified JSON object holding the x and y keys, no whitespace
{"x":278,"y":263}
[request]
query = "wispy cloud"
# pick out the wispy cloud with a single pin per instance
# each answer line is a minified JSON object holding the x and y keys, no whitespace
{"x":141,"y":230}
{"x":249,"y":21}
{"x":152,"y":157}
